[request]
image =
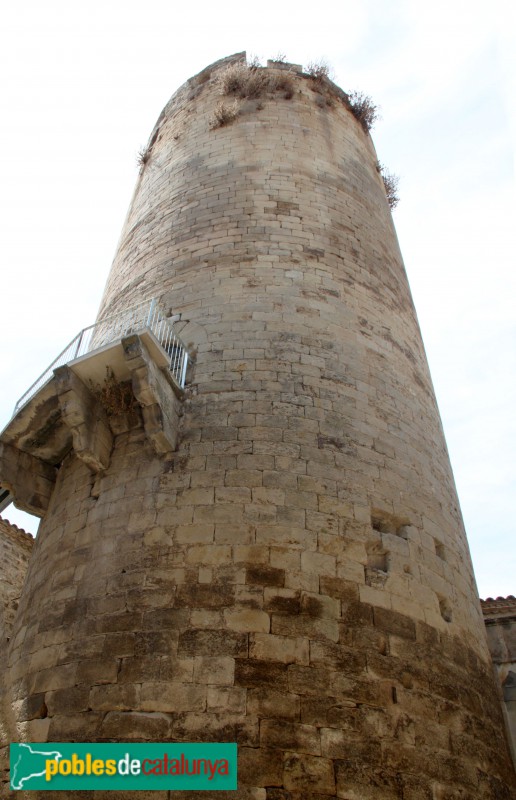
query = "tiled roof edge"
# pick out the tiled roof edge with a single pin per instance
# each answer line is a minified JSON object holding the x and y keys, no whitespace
{"x":499,"y":606}
{"x":16,"y":533}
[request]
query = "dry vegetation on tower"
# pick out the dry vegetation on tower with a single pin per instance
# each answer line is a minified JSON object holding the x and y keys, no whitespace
{"x":363,"y":109}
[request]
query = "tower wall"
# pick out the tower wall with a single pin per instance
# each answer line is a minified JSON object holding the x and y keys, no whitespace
{"x":15,"y":550}
{"x":500,"y":620}
{"x":295,"y":576}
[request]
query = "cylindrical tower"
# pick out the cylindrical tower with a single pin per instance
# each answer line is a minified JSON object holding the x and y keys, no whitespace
{"x":294,"y":575}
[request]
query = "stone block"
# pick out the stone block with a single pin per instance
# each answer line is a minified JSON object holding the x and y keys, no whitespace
{"x":273,"y":703}
{"x":233,"y":494}
{"x":37,"y":730}
{"x":195,"y":497}
{"x":247,"y":620}
{"x":348,"y":660}
{"x":251,"y":554}
{"x":60,"y":677}
{"x":98,"y":670}
{"x":263,"y":495}
{"x":160,"y":619}
{"x":260,"y":766}
{"x":117,"y":697}
{"x":376,"y":597}
{"x":260,"y":674}
{"x":128,"y":725}
{"x":68,"y":701}
{"x":288,"y":650}
{"x":309,"y":774}
{"x":214,"y":643}
{"x":138,"y":669}
{"x":204,"y":595}
{"x":265,"y":576}
{"x":30,"y":480}
{"x":284,"y":535}
{"x":114,"y":623}
{"x":154,"y":392}
{"x":208,"y":555}
{"x":84,"y":414}
{"x":305,"y":626}
{"x":291,"y":736}
{"x":32,"y":707}
{"x":74,"y":727}
{"x":200,"y":533}
{"x":320,"y":563}
{"x":354,"y":782}
{"x":320,"y":605}
{"x":249,"y":596}
{"x":174,"y":697}
{"x":226,"y":699}
{"x":305,"y":581}
{"x":392,"y":622}
{"x":155,"y":643}
{"x":244,"y":477}
{"x":206,"y":618}
{"x":282,"y":601}
{"x":285,"y":558}
{"x":214,"y":670}
{"x":339,"y":588}
{"x":117,"y":645}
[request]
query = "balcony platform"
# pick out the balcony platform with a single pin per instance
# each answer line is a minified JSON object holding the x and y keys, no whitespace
{"x":65,"y":412}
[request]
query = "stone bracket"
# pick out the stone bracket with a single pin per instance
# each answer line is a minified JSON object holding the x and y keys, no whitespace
{"x":83,"y":413}
{"x":161,"y":407}
{"x":30,"y":480}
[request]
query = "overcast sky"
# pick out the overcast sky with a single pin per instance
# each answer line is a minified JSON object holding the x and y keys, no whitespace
{"x":82,"y":86}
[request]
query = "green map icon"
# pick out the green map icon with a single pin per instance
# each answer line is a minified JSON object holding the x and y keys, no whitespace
{"x":29,"y":763}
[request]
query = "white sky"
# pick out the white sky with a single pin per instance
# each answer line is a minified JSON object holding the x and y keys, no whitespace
{"x":82,"y":85}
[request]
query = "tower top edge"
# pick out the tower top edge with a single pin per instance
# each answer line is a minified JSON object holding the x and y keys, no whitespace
{"x":205,"y":74}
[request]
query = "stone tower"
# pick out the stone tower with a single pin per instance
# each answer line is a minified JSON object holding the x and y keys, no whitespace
{"x":273,"y":555}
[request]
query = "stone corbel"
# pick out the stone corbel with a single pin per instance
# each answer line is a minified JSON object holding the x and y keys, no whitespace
{"x":30,"y":480}
{"x":160,"y":406}
{"x":83,"y":413}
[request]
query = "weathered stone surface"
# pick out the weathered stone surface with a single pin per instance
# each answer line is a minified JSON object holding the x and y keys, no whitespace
{"x":392,"y":622}
{"x":290,"y":736}
{"x":274,"y":704}
{"x":294,"y":576}
{"x":15,"y":550}
{"x":287,"y":649}
{"x":127,"y":725}
{"x":265,"y":576}
{"x":500,"y":620}
{"x":160,"y":406}
{"x":259,"y":765}
{"x":29,"y":479}
{"x":68,"y":701}
{"x":207,"y":642}
{"x":169,"y":696}
{"x":257,"y":673}
{"x":309,"y":773}
{"x":83,"y":413}
{"x":116,"y":697}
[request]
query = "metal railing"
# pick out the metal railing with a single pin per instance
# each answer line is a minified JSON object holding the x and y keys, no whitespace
{"x":144,"y":316}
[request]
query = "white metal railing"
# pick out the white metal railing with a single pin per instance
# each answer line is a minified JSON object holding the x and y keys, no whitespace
{"x":147,"y":315}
